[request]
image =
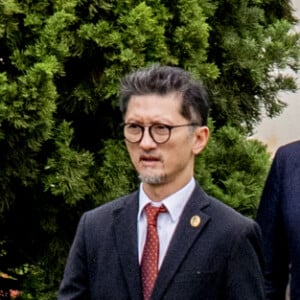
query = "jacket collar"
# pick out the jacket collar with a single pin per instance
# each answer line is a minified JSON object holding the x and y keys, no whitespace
{"x":125,"y":218}
{"x":192,"y":222}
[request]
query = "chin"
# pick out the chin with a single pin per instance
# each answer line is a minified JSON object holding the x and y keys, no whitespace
{"x":154,"y":179}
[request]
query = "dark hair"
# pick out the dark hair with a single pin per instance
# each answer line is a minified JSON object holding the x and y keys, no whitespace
{"x":163,"y":80}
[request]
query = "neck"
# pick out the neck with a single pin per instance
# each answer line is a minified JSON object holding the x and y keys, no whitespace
{"x":158,"y":192}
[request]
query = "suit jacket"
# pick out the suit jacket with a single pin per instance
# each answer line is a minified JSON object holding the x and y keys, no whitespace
{"x":279,"y":217}
{"x":219,"y":259}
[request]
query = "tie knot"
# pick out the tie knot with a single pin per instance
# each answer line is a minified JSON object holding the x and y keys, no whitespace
{"x":152,"y":213}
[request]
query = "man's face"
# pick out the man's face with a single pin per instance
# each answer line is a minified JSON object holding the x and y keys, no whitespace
{"x":173,"y":161}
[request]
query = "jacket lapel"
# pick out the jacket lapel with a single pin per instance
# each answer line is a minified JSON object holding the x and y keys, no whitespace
{"x":186,"y":232}
{"x":125,"y":224}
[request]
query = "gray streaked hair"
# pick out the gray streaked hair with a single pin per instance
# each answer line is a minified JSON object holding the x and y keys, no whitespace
{"x":163,"y":80}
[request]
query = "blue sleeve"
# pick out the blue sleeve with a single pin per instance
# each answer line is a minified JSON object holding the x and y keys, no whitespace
{"x":270,"y":219}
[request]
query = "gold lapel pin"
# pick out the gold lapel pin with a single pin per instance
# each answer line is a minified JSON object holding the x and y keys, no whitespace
{"x":195,"y":221}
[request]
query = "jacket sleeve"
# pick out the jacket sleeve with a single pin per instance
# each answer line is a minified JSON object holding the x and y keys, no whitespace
{"x":244,"y":275}
{"x":74,"y":285}
{"x":270,"y":219}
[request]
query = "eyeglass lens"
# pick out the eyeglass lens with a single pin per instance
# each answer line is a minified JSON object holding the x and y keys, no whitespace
{"x":159,"y":133}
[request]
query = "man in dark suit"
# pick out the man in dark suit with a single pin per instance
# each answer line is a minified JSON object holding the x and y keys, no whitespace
{"x":206,"y":249}
{"x":279,"y":217}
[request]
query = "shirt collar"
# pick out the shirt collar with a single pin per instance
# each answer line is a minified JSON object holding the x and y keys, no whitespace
{"x":174,"y":203}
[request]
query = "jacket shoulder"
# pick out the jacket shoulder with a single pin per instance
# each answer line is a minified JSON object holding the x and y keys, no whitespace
{"x":293,"y":147}
{"x":105,"y":211}
{"x":222,"y":212}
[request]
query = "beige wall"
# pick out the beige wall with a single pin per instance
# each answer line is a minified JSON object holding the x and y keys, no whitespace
{"x":286,"y":127}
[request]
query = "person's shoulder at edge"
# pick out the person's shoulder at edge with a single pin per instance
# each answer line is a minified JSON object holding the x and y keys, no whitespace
{"x":292,"y":146}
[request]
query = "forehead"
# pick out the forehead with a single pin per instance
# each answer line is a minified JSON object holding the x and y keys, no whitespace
{"x":155,"y":107}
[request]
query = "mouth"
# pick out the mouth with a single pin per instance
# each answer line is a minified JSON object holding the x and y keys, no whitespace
{"x":149,"y":160}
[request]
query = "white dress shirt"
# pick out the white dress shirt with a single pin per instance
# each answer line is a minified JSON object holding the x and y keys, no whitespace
{"x":166,"y":222}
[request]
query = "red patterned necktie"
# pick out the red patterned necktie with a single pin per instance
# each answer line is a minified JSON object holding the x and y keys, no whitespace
{"x":149,"y":264}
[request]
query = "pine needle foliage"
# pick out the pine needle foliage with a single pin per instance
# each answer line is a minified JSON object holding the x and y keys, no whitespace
{"x":233,"y":169}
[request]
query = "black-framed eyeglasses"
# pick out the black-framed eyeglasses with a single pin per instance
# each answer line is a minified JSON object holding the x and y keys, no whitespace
{"x":160,"y":133}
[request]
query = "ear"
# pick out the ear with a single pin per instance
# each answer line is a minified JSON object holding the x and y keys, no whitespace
{"x":201,"y":136}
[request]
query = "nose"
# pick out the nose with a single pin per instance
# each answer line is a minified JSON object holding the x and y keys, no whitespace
{"x":147,"y":142}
